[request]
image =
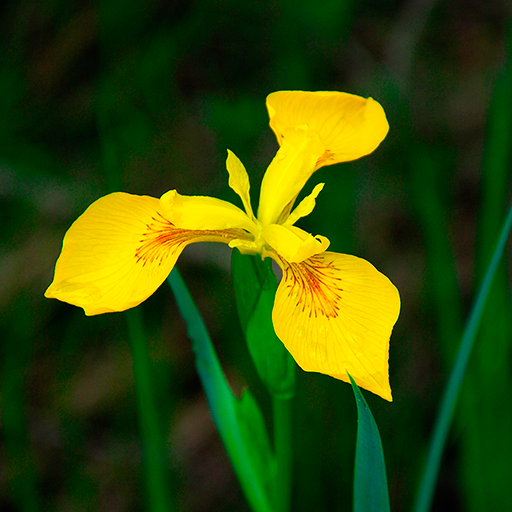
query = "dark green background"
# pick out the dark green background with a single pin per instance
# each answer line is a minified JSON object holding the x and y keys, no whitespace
{"x":145,"y":97}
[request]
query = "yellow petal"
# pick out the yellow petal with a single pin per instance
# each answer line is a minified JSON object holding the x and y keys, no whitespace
{"x":305,"y":207}
{"x":292,"y":243}
{"x":239,"y":181}
{"x":246,"y":246}
{"x":335,"y":313}
{"x":204,"y":213}
{"x":119,"y":251}
{"x":288,"y":172}
{"x":348,"y":125}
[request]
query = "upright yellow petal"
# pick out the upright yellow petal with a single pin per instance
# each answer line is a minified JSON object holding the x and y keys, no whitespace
{"x":119,"y":251}
{"x":288,"y":172}
{"x":348,"y":125}
{"x":335,"y":313}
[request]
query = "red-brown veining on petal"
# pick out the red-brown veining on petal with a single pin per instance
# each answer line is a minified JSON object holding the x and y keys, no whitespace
{"x":314,"y":287}
{"x":324,"y":159}
{"x":162,"y":236}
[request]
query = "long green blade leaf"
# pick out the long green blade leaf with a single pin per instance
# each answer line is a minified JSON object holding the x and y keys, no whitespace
{"x":370,"y":481}
{"x":239,"y":422}
{"x":156,"y":474}
{"x":447,"y":408}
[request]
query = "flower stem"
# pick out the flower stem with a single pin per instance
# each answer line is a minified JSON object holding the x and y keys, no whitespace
{"x":282,"y":408}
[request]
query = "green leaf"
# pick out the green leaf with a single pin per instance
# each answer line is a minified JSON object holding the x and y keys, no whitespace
{"x":451,"y":394}
{"x":370,"y":481}
{"x":156,"y":472}
{"x":255,"y":288}
{"x":254,"y":432}
{"x":239,"y":422}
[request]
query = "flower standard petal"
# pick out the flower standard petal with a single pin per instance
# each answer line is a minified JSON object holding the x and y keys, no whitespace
{"x":287,"y":174}
{"x":335,"y":313}
{"x":348,"y":125}
{"x":119,"y":251}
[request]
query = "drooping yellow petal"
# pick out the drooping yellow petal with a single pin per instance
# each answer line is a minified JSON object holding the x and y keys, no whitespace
{"x":288,"y":172}
{"x":335,"y":313}
{"x":292,"y":243}
{"x":119,"y":251}
{"x":305,"y":207}
{"x":239,"y":181}
{"x":348,"y":125}
{"x":203,"y":212}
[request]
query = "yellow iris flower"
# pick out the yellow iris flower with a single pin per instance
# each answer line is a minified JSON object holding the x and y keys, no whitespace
{"x":333,"y":312}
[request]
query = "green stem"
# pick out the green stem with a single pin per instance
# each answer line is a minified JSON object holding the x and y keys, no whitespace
{"x":282,"y":408}
{"x":153,"y":445}
{"x":446,"y":410}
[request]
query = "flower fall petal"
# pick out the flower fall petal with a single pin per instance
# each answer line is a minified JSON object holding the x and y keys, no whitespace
{"x":119,"y":251}
{"x":335,"y":313}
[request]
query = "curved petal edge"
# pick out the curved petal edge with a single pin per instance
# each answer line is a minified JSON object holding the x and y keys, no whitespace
{"x":335,"y":313}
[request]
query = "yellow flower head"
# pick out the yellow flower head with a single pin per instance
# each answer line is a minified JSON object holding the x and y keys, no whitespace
{"x":333,"y":312}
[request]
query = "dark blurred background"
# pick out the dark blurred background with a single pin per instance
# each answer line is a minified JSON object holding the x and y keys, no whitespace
{"x":145,"y":97}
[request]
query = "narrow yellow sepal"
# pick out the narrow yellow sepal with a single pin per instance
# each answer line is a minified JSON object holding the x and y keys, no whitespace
{"x":335,"y":313}
{"x":348,"y":125}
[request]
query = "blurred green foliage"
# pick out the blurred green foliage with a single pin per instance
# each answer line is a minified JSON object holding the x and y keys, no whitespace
{"x":147,"y":96}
